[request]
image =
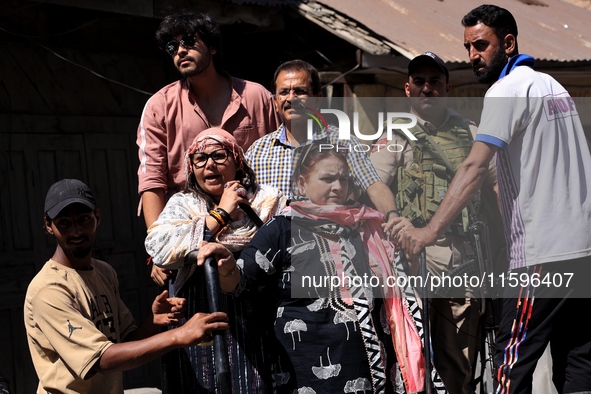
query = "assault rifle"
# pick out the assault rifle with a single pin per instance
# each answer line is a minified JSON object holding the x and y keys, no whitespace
{"x":479,"y":237}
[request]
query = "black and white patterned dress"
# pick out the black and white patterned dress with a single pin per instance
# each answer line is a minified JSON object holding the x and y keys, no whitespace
{"x":326,"y":340}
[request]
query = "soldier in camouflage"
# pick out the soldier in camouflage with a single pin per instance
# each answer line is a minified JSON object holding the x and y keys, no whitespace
{"x":418,"y":173}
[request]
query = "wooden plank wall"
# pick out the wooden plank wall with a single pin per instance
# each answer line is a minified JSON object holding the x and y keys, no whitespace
{"x":58,"y":120}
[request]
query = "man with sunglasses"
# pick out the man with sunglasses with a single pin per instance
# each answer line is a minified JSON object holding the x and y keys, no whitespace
{"x":206,"y":96}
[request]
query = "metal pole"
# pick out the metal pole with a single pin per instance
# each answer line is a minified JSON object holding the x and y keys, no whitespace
{"x":426,"y":324}
{"x":212,"y":284}
{"x":220,"y":348}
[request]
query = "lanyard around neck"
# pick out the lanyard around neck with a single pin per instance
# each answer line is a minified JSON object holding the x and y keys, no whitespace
{"x":516,"y":61}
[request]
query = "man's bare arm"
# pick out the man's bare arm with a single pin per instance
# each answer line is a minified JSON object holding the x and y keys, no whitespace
{"x":152,"y":205}
{"x":129,"y":355}
{"x":466,"y":183}
{"x":381,"y":197}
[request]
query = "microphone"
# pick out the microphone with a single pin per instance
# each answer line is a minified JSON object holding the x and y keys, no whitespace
{"x":251,"y":213}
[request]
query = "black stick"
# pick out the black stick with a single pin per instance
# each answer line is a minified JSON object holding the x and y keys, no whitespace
{"x":251,"y":214}
{"x":220,"y":348}
{"x":426,"y":324}
{"x":212,"y":284}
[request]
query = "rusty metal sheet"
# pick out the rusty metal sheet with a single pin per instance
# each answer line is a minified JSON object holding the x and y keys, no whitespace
{"x":559,"y":31}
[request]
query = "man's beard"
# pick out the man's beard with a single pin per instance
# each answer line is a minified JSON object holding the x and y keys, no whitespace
{"x":493,"y":70}
{"x":78,"y":252}
{"x":200,"y":66}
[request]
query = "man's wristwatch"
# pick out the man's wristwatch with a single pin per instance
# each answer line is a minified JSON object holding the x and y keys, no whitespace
{"x":396,"y":211}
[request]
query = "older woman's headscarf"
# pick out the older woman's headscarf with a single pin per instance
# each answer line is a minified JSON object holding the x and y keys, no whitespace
{"x":214,"y":136}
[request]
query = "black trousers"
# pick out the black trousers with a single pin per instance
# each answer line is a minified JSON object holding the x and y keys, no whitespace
{"x":535,"y":314}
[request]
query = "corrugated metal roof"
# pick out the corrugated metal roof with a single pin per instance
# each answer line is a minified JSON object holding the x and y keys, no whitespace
{"x":560,"y":31}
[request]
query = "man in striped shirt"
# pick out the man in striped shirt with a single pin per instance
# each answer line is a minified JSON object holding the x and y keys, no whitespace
{"x":272,"y":156}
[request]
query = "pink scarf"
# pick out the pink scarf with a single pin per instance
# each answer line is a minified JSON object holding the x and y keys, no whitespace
{"x":407,"y":342}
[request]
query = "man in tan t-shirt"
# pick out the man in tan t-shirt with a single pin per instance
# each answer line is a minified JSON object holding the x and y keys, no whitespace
{"x":80,"y":333}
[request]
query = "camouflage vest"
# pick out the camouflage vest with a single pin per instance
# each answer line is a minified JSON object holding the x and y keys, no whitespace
{"x":423,"y":184}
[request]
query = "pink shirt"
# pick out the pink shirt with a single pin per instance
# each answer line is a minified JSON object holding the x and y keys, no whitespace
{"x":171,"y":119}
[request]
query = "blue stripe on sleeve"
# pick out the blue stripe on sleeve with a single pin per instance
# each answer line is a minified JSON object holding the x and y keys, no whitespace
{"x":489,"y":139}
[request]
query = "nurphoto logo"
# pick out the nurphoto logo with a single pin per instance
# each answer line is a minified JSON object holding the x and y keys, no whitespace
{"x":344,"y":125}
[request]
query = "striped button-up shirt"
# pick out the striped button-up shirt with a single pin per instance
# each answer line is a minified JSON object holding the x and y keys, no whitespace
{"x":272,"y":159}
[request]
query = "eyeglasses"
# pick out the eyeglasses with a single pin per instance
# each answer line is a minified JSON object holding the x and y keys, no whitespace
{"x":173,"y":46}
{"x":298,"y":92}
{"x":218,"y":156}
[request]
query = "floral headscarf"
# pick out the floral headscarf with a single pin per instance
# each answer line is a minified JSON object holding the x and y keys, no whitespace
{"x":214,"y":136}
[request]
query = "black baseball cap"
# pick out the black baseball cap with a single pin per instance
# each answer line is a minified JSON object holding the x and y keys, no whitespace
{"x":428,"y":58}
{"x":66,"y":192}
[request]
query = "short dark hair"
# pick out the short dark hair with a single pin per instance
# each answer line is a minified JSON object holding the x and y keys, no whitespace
{"x":189,"y":22}
{"x":500,"y":20}
{"x":299,"y":65}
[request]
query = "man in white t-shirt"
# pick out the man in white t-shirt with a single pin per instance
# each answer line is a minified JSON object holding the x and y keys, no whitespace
{"x":544,"y":172}
{"x":80,"y":333}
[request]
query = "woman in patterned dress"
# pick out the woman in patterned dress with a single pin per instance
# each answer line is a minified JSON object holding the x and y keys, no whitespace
{"x":323,"y":263}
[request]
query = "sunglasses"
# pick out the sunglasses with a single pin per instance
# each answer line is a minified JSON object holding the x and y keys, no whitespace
{"x":218,"y":156}
{"x":187,"y":42}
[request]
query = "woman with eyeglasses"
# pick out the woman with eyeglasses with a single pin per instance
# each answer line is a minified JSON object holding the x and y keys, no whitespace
{"x":219,"y":182}
{"x":330,"y":270}
{"x":205,"y":96}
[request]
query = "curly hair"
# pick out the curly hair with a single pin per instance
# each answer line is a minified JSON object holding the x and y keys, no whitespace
{"x":190,"y":22}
